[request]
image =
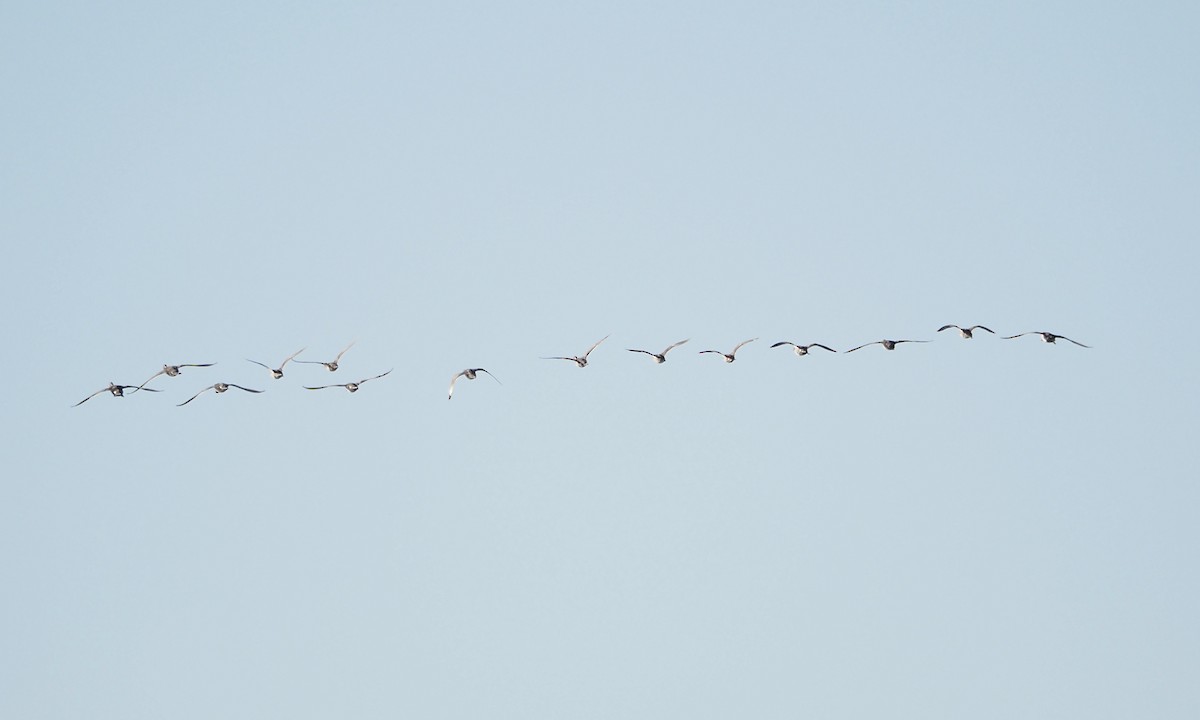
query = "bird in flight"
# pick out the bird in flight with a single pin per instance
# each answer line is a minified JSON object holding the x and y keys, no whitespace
{"x":219,"y":387}
{"x":332,"y":365}
{"x":802,"y":350}
{"x":966,"y":332}
{"x":116,"y":390}
{"x":887,"y":344}
{"x":581,"y":360}
{"x":470,"y":374}
{"x":172,"y":371}
{"x":351,"y":386}
{"x":277,"y":372}
{"x":661,"y":357}
{"x":729,"y":356}
{"x":1048,"y":337}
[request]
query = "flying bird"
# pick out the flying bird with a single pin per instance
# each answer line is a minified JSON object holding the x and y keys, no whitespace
{"x":802,"y":350}
{"x":351,"y":386}
{"x":729,"y":356}
{"x":581,"y":360}
{"x":277,"y":372}
{"x":470,"y":374}
{"x":332,"y":365}
{"x":219,"y":387}
{"x":172,"y":371}
{"x":116,"y":390}
{"x":661,"y":357}
{"x":1048,"y":337}
{"x":966,"y":332}
{"x":887,"y":344}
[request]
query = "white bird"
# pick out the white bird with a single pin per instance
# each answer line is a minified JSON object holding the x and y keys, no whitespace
{"x":116,"y":390}
{"x":887,"y":344}
{"x":469,"y":374}
{"x":661,"y":357}
{"x":219,"y":387}
{"x":351,"y":386}
{"x":1048,"y":337}
{"x":332,"y":365}
{"x":581,"y":360}
{"x":729,"y":356}
{"x":802,"y":350}
{"x":277,"y":372}
{"x":172,"y":371}
{"x":966,"y":332}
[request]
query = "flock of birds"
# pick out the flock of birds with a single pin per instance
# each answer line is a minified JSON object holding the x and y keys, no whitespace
{"x":276,"y":373}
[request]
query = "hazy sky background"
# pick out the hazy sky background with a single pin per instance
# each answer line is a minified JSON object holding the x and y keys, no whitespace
{"x":983,"y":529}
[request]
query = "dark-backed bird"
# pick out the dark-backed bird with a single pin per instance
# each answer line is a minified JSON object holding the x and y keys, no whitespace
{"x":580,"y":360}
{"x":277,"y":372}
{"x":966,"y":332}
{"x":802,"y":350}
{"x":887,"y":344}
{"x":470,"y":374}
{"x":172,"y":371}
{"x":116,"y":390}
{"x":351,"y":386}
{"x":220,"y":388}
{"x":729,"y":356}
{"x":661,"y":357}
{"x":1048,"y":337}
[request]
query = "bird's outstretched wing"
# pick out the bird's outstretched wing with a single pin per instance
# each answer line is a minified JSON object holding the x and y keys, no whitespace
{"x":739,"y":345}
{"x":239,"y":387}
{"x":185,"y":402}
{"x":594,"y":346}
{"x":860,"y":347}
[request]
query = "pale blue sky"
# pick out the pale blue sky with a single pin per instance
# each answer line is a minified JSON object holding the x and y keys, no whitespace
{"x":984,"y":529}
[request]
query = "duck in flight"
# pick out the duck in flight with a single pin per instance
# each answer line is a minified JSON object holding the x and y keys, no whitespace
{"x":219,"y":387}
{"x":661,"y":357}
{"x":966,"y":332}
{"x":351,"y":386}
{"x":581,"y":360}
{"x":116,"y":390}
{"x":332,"y":365}
{"x":1048,"y":337}
{"x":470,"y":374}
{"x":887,"y":344}
{"x":729,"y":356}
{"x":802,"y":350}
{"x":172,"y":371}
{"x":277,"y":372}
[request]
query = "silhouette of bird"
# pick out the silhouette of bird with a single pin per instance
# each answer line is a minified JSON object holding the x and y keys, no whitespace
{"x":219,"y":387}
{"x":332,"y":365}
{"x":351,"y":386}
{"x":470,"y":374}
{"x":116,"y":390}
{"x":1048,"y":337}
{"x":729,"y":356}
{"x":887,"y":344}
{"x":661,"y":357}
{"x":966,"y":332}
{"x":172,"y":371}
{"x":581,"y":360}
{"x":277,"y":372}
{"x":802,"y":350}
